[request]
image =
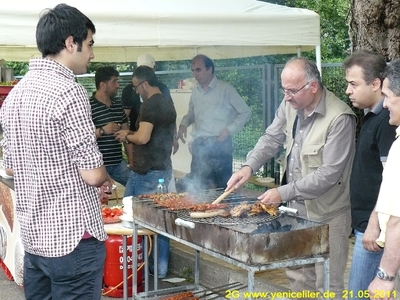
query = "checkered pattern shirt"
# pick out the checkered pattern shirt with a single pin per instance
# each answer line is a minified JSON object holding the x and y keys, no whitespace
{"x":48,"y":136}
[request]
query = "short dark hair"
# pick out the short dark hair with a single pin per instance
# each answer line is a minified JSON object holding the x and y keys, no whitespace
{"x":208,"y":63}
{"x":392,"y":73}
{"x":104,"y":74}
{"x":145,"y":73}
{"x":372,"y":64}
{"x":57,"y":24}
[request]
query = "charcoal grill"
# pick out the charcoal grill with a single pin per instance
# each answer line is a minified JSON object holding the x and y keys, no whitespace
{"x":255,"y":243}
{"x":275,"y":243}
{"x":232,"y":200}
{"x":219,"y":220}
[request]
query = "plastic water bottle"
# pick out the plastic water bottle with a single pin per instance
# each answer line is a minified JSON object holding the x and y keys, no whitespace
{"x":161,"y":187}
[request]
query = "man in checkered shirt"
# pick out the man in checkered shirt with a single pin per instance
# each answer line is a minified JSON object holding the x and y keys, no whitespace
{"x":49,"y":145}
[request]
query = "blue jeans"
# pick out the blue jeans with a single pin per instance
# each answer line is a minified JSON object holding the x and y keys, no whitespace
{"x":364,"y":265}
{"x":211,"y":165}
{"x":163,"y":257}
{"x":77,"y":275}
{"x":120,"y":173}
{"x":147,"y":184}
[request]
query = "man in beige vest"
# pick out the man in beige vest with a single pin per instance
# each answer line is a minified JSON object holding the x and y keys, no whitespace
{"x":317,"y":131}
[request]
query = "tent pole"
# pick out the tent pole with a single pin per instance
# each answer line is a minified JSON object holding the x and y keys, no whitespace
{"x":318,"y":58}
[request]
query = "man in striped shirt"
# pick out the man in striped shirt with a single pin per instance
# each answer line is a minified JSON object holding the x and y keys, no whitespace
{"x":109,"y":117}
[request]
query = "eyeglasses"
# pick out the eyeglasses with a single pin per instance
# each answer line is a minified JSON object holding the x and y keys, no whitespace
{"x":291,"y":93}
{"x":134,"y":87}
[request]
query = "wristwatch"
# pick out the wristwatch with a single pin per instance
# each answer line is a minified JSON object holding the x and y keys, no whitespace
{"x":101,"y":131}
{"x":381,"y":274}
{"x":126,"y":141}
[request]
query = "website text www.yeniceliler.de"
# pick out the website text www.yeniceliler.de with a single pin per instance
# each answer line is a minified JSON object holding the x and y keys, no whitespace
{"x":234,"y":294}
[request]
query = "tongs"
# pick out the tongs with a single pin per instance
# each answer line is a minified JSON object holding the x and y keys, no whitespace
{"x":224,"y":195}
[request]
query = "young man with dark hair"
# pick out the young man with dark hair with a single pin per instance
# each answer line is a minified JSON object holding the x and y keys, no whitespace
{"x":50,"y":147}
{"x":364,"y":71}
{"x":132,"y":101}
{"x":152,"y":142}
{"x":109,"y":117}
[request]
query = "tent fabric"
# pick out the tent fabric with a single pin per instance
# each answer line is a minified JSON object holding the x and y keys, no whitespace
{"x":170,"y":30}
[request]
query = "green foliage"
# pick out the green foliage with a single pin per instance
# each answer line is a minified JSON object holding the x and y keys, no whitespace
{"x":335,"y":41}
{"x":120,"y":67}
{"x":20,"y":68}
{"x":187,"y":273}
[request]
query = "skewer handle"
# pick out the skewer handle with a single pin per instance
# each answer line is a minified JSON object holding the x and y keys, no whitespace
{"x":223,"y":196}
{"x":184,"y":223}
{"x":292,"y":211}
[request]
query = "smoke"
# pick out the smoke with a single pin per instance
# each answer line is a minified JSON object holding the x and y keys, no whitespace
{"x":211,"y":165}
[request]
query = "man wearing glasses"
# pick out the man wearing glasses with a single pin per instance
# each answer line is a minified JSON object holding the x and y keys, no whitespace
{"x":317,"y":131}
{"x":132,"y":100}
{"x":152,"y":141}
{"x":216,"y":112}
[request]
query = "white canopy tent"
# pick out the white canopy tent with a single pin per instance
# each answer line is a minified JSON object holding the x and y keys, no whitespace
{"x":170,"y":30}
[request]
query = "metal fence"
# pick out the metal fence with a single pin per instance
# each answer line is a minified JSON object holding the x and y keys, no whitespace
{"x":259,"y":86}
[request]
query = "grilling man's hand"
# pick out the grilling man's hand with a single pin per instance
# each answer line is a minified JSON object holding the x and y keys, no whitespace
{"x":239,"y":178}
{"x":271,"y":196}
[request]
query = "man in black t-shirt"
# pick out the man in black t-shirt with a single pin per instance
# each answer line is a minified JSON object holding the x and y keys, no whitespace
{"x":364,"y":77}
{"x":132,"y":101}
{"x":152,"y":142}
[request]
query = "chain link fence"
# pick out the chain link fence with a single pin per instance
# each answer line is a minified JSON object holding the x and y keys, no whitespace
{"x":259,"y":87}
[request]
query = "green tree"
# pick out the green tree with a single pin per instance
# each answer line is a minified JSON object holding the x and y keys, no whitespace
{"x":375,"y":26}
{"x":335,"y":42}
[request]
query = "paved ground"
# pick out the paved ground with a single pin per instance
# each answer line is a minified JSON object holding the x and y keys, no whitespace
{"x":9,"y":290}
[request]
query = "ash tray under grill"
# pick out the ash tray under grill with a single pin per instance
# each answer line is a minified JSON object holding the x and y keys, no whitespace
{"x":218,"y":220}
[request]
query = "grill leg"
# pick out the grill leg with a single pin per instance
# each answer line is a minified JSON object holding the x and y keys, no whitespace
{"x":326,"y":276}
{"x":197,"y":267}
{"x":250,"y":281}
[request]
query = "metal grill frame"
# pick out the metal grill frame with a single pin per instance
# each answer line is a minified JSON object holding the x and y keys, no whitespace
{"x":218,"y":220}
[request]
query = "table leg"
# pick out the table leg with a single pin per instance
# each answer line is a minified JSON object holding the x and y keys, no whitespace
{"x":146,"y":263}
{"x":125,"y":267}
{"x":134,"y":259}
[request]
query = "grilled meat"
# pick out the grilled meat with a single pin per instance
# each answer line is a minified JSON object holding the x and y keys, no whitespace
{"x":241,"y":209}
{"x":253,"y":209}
